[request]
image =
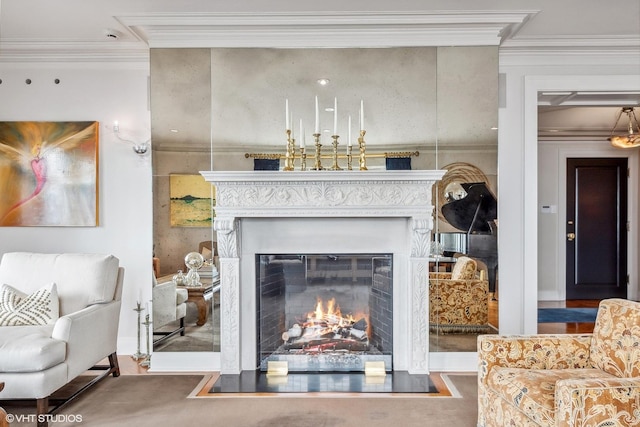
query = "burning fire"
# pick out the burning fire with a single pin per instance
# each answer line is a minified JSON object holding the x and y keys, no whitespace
{"x":328,"y":329}
{"x":332,"y":315}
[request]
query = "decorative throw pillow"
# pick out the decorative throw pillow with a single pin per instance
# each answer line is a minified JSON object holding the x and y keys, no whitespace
{"x":20,"y":309}
{"x":464,"y":269}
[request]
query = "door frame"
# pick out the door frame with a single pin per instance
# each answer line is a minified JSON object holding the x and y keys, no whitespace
{"x":591,"y":150}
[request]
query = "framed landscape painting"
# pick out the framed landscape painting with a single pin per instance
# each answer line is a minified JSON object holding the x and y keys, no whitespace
{"x":192,"y":201}
{"x":48,"y":174}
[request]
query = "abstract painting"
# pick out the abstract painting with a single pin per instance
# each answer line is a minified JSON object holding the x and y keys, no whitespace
{"x":192,"y":201}
{"x":48,"y":174}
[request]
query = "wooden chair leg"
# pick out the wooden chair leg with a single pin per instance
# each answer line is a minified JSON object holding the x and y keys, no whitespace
{"x":3,"y":418}
{"x":42,"y":409}
{"x":113,"y":362}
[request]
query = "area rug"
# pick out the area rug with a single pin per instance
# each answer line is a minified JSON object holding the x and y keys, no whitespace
{"x":438,"y":385}
{"x":161,"y":400}
{"x":567,"y":315}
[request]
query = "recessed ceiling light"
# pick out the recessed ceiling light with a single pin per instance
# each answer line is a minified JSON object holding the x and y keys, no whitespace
{"x":329,"y":109}
{"x":173,"y":130}
{"x":323,"y":82}
{"x":494,"y":128}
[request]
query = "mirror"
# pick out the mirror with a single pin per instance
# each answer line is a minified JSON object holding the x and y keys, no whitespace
{"x":180,"y":112}
{"x":212,"y":109}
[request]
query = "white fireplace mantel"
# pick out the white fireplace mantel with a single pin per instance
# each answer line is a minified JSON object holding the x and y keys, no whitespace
{"x":338,"y":196}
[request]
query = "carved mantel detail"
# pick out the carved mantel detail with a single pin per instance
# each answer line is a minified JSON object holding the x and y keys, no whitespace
{"x":326,"y":194}
{"x":225,"y":228}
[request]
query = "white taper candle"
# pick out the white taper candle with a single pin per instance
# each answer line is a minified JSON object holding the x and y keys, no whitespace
{"x":335,"y":116}
{"x":286,"y":114}
{"x":317,"y":128}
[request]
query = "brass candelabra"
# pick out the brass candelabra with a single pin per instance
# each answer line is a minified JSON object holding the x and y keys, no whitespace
{"x":290,"y":155}
{"x":318,"y":162}
{"x":362,"y":146}
{"x":291,"y":152}
{"x":335,"y":166}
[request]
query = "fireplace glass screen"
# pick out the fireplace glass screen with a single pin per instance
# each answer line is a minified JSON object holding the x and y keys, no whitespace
{"x":324,"y":312}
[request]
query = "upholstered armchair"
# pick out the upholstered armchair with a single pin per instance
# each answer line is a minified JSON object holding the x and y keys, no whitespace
{"x":59,"y":316}
{"x":458,"y":301}
{"x":169,"y":305}
{"x":564,"y":380}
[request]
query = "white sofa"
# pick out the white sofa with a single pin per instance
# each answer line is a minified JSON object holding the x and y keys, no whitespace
{"x":36,"y":360}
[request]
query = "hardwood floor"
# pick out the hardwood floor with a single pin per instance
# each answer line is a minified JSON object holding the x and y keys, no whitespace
{"x":128,"y":366}
{"x":552,"y":328}
{"x":566,"y":328}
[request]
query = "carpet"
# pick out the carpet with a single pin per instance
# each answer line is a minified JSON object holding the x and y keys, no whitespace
{"x":567,"y":315}
{"x":161,"y":400}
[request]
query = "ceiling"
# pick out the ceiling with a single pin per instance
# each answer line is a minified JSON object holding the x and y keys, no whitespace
{"x":86,"y":21}
{"x":39,"y":30}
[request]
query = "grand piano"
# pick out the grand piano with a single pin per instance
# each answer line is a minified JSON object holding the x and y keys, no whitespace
{"x":475,"y":214}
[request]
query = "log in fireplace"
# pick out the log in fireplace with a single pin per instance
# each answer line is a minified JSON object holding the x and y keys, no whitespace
{"x":324,"y":312}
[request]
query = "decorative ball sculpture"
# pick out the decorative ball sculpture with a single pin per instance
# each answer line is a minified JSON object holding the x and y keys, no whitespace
{"x":194,"y":261}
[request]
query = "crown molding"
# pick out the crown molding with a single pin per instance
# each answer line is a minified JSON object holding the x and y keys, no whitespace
{"x":572,"y":42}
{"x":325,"y":29}
{"x":625,"y":58}
{"x":559,"y":50}
{"x":319,"y":30}
{"x":61,"y":51}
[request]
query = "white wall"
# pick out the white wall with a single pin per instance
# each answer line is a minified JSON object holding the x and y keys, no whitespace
{"x":104,"y":93}
{"x":526,"y":74}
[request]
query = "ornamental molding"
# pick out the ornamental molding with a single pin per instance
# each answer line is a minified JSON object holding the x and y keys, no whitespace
{"x":333,"y":194}
{"x":419,"y":363}
{"x":230,"y":315}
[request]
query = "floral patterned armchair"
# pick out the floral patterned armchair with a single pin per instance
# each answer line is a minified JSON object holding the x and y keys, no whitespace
{"x":564,"y":380}
{"x":458,"y":301}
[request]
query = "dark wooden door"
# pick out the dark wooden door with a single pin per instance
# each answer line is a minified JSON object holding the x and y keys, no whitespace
{"x":596,"y":229}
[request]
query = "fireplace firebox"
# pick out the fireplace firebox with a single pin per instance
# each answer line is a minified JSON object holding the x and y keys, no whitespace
{"x":324,"y":312}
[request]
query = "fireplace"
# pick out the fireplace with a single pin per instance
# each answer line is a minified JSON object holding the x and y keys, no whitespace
{"x":324,"y":312}
{"x":320,"y":214}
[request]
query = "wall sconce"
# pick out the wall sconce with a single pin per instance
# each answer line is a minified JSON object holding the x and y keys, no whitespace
{"x":138,"y":148}
{"x":632,"y":138}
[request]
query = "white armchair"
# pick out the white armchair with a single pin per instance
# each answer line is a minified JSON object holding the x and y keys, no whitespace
{"x":77,"y":330}
{"x":169,"y":305}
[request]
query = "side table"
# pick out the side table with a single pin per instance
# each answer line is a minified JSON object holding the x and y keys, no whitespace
{"x":200,"y":296}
